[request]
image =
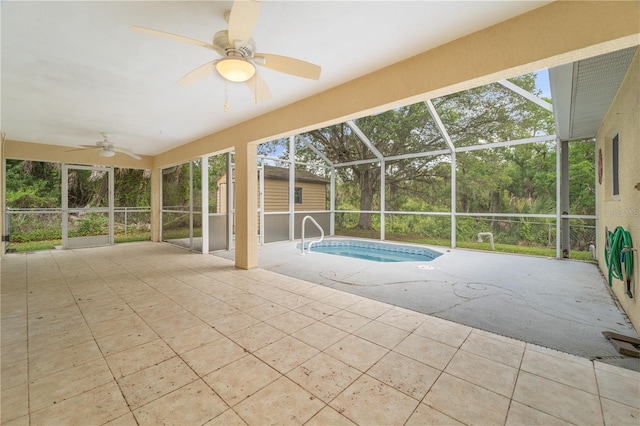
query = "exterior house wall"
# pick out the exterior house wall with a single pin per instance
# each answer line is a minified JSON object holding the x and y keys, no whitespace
{"x":623,"y":210}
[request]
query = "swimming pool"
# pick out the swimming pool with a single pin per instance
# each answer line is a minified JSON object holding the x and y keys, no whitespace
{"x":375,"y":251}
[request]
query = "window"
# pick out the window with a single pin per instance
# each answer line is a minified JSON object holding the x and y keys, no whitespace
{"x":614,"y":168}
{"x":298,"y":195}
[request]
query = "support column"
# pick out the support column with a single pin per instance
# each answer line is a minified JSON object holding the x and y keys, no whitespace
{"x":564,"y":198}
{"x":156,"y":204}
{"x":246,"y":193}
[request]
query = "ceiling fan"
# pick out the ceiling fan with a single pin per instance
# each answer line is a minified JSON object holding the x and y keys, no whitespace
{"x":106,"y":148}
{"x":238,"y":52}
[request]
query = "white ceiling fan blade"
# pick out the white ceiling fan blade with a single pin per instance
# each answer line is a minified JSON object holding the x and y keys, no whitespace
{"x":129,"y":153}
{"x":259,"y":88}
{"x":288,"y":65}
{"x":84,"y":148}
{"x":199,"y":73}
{"x":171,"y":36}
{"x":242,"y":21}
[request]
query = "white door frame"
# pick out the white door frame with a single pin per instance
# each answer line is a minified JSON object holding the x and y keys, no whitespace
{"x":91,"y":241}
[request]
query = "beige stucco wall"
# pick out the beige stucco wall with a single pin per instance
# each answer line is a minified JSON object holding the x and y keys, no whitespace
{"x":623,"y":118}
{"x":246,"y":190}
{"x":18,"y":150}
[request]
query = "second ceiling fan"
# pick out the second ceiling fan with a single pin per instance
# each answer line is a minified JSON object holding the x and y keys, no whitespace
{"x":238,"y":53}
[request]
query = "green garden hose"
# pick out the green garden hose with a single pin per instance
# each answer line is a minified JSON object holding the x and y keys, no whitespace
{"x":618,"y":251}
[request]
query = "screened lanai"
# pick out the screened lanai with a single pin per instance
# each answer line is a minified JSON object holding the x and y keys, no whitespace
{"x":447,"y":204}
{"x":152,"y":326}
{"x":440,"y":171}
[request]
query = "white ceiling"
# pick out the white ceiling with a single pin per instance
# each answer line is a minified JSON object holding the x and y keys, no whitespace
{"x":71,"y":70}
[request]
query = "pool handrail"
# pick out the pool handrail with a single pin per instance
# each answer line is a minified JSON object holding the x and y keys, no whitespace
{"x":486,"y":234}
{"x":310,"y":242}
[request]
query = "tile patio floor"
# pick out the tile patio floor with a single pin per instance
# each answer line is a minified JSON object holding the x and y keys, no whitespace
{"x":148,"y":333}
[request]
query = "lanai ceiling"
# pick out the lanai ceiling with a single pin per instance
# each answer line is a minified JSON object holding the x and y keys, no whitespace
{"x":71,"y":70}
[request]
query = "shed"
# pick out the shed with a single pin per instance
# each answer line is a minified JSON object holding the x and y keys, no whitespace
{"x":310,"y":191}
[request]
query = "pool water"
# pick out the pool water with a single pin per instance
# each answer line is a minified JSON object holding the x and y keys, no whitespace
{"x":377,"y":252}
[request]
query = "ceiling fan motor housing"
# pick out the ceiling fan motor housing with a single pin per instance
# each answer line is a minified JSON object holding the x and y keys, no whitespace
{"x":226,"y":49}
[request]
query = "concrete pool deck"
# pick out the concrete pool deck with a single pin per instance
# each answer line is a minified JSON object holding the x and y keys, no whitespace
{"x":559,"y":304}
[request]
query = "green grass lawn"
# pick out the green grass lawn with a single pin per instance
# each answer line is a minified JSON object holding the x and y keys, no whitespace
{"x":502,"y":248}
{"x":51,"y":244}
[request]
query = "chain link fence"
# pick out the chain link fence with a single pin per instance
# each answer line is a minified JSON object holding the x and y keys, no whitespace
{"x":512,"y":234}
{"x":30,"y":229}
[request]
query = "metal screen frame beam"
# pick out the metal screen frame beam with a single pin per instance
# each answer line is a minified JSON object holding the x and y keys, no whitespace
{"x":526,"y":94}
{"x":452,"y":148}
{"x":418,"y":155}
{"x":352,"y":163}
{"x":564,"y":198}
{"x":292,"y":187}
{"x":204,"y":209}
{"x":332,"y":202}
{"x":316,"y":150}
{"x":365,"y":140}
{"x":535,"y":139}
{"x":558,"y":197}
{"x":230,"y":201}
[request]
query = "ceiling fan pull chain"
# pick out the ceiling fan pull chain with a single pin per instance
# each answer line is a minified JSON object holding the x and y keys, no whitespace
{"x":226,"y":96}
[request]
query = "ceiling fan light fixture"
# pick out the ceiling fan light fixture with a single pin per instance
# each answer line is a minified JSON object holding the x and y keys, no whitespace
{"x":235,"y":69}
{"x":106,"y":153}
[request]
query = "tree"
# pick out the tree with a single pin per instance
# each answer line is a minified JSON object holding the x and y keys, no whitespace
{"x":33,"y":184}
{"x":482,"y":115}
